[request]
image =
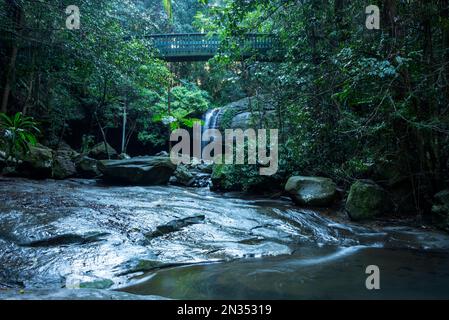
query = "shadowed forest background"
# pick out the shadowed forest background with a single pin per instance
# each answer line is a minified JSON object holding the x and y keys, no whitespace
{"x":350,"y":103}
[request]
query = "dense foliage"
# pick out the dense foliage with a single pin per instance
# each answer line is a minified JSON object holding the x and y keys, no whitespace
{"x":350,"y":102}
{"x":19,"y":133}
{"x":80,"y":84}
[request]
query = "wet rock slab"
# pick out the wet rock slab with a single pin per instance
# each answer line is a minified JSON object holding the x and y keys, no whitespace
{"x":175,"y":225}
{"x":80,"y":233}
{"x":55,"y":233}
{"x":66,"y":294}
{"x":66,"y":239}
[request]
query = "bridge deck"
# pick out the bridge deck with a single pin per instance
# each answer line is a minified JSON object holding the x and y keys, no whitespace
{"x":202,"y":47}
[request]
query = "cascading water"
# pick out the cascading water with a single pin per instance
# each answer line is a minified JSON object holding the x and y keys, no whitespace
{"x":210,"y":122}
{"x":211,"y":119}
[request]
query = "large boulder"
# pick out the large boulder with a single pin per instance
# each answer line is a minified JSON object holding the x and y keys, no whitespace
{"x":440,"y":209}
{"x":102,"y":152}
{"x":41,"y":162}
{"x":244,"y":178}
{"x":87,"y":167}
{"x":393,"y":176}
{"x":196,"y":174}
{"x":205,"y":168}
{"x":66,"y":148}
{"x":241,"y":121}
{"x":37,"y":162}
{"x":247,"y":113}
{"x":64,"y":161}
{"x":223,"y":180}
{"x":183,"y":176}
{"x":2,"y":160}
{"x":138,"y":171}
{"x":366,"y":200}
{"x":311,"y":191}
{"x":63,"y":165}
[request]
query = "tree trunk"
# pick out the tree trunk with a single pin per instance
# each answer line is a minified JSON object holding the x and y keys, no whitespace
{"x":170,"y":84}
{"x":339,"y":6}
{"x":17,"y":16}
{"x":444,"y":13}
{"x":390,"y":23}
{"x":103,"y":134}
{"x":124,"y":126}
{"x":9,"y":78}
{"x":29,"y":99}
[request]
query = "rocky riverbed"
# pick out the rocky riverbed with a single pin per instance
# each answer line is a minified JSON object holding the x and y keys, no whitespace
{"x":79,"y":239}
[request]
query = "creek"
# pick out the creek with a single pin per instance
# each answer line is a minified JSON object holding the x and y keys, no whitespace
{"x":191,"y":243}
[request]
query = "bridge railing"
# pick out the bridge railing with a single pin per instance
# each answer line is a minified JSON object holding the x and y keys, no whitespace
{"x":201,"y":45}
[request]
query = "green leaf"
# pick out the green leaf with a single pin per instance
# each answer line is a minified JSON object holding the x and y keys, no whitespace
{"x":21,"y":132}
{"x":5,"y":120}
{"x":189,"y":122}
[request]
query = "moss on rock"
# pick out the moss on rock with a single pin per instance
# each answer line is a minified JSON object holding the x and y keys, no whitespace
{"x":440,"y":209}
{"x":366,"y":200}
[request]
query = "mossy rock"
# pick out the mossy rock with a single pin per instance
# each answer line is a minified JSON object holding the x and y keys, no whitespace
{"x":222,"y":180}
{"x":87,"y":167}
{"x":245,"y":178}
{"x":184,"y":176}
{"x":101,"y":152}
{"x":63,"y":165}
{"x":440,"y":209}
{"x":366,"y":200}
{"x":2,"y":161}
{"x":97,"y":284}
{"x":37,"y":162}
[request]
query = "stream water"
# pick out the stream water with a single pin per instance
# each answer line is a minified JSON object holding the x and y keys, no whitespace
{"x":172,"y":242}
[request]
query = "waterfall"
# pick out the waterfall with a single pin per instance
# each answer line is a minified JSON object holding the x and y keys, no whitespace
{"x":211,"y":119}
{"x":210,"y":122}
